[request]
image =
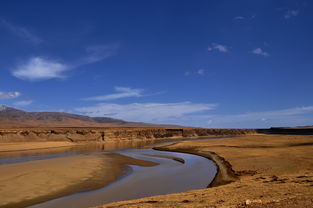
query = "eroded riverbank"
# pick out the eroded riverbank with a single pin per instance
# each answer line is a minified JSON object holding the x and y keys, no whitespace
{"x":88,"y":134}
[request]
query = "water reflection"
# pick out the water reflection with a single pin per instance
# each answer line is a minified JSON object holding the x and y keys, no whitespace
{"x":168,"y":177}
{"x":38,"y":154}
{"x":84,"y":148}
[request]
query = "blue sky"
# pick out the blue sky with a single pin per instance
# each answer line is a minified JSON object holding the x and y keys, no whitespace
{"x":239,"y":64}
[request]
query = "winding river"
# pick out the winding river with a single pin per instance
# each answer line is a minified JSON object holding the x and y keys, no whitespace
{"x":170,"y":176}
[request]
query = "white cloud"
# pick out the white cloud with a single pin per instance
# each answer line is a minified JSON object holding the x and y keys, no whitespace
{"x":218,"y":47}
{"x":38,"y":68}
{"x":23,"y":103}
{"x":201,"y":72}
{"x":20,"y":32}
{"x":9,"y":95}
{"x":147,"y":112}
{"x":259,"y":51}
{"x":121,"y":92}
{"x":291,"y":13}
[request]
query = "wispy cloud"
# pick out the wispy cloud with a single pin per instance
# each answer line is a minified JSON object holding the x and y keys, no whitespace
{"x":239,"y":18}
{"x":38,"y":68}
{"x":23,"y":103}
{"x":263,"y":119}
{"x":201,"y":72}
{"x":218,"y":47}
{"x":121,"y":92}
{"x":198,"y":114}
{"x":291,"y":13}
{"x":187,"y":73}
{"x":146,"y":112}
{"x":99,"y":52}
{"x":9,"y":95}
{"x":20,"y":32}
{"x":259,"y":51}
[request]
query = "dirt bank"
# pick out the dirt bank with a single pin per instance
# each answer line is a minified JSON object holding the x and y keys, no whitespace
{"x":21,"y":146}
{"x":27,"y":183}
{"x":110,"y":134}
{"x":271,"y":171}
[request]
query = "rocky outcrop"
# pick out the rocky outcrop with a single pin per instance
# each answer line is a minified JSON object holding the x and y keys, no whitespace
{"x":110,"y":134}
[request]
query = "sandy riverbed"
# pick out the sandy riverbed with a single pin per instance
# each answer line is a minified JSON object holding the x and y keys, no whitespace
{"x":27,"y":183}
{"x":259,"y":171}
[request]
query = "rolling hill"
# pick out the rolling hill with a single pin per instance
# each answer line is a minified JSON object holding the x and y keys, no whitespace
{"x":14,"y":118}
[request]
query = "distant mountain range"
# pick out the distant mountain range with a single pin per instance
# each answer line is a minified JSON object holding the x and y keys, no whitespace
{"x":13,"y":118}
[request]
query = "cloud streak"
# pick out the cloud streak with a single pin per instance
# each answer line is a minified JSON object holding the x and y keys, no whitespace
{"x":263,"y":119}
{"x":199,"y":72}
{"x":23,"y":103}
{"x":198,"y":115}
{"x":146,"y":112}
{"x":239,"y":18}
{"x":9,"y":95}
{"x":20,"y":32}
{"x":121,"y":92}
{"x":100,"y":52}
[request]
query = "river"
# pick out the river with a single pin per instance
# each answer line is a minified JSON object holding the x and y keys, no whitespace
{"x":170,"y":176}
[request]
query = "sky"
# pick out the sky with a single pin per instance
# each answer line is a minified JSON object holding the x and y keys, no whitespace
{"x":204,"y":63}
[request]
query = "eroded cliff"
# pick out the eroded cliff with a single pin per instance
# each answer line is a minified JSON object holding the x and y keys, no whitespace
{"x":110,"y":134}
